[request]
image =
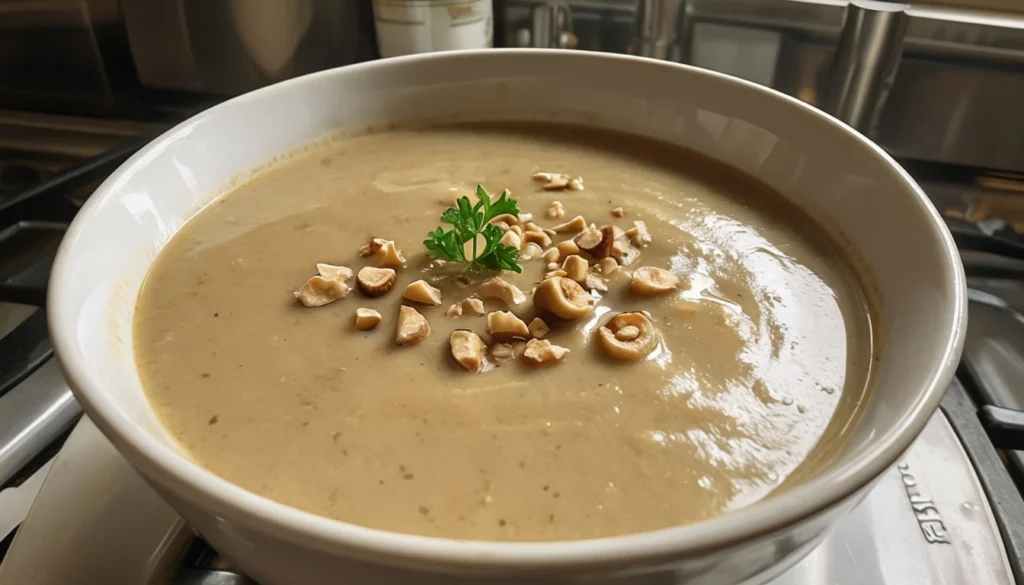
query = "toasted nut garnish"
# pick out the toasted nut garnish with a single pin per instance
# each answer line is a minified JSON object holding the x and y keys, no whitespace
{"x":332,"y":272}
{"x":371,"y":248}
{"x":466,"y":307}
{"x":552,"y":181}
{"x":574,"y":225}
{"x":632,"y":346}
{"x":538,"y":328}
{"x":499,"y":288}
{"x":412,"y":327}
{"x":389,"y":256}
{"x":467,"y":349}
{"x":366,"y":319}
{"x":517,"y":230}
{"x":551,"y":255}
{"x":538,"y":237}
{"x":531,"y":251}
{"x":607,"y":266}
{"x":596,"y":243}
{"x":639,"y":235}
{"x":576,"y":184}
{"x":525,"y":217}
{"x":594,"y":282}
{"x":618,"y":212}
{"x":555,"y":210}
{"x":501,"y":225}
{"x":627,"y":333}
{"x":504,"y":324}
{"x":542,"y":352}
{"x":564,"y":298}
{"x":502,"y":351}
{"x":421,"y":292}
{"x":576,"y":268}
{"x":375,"y":281}
{"x":567,"y":248}
{"x":624,"y":252}
{"x":554,"y":273}
{"x":650,"y":280}
{"x":589,"y":239}
{"x":318,"y":291}
{"x":511,"y":238}
{"x":507,"y":218}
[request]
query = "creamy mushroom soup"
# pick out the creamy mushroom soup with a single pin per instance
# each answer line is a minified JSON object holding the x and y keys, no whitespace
{"x":681,"y":342}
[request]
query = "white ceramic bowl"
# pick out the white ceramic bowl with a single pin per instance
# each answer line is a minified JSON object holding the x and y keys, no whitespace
{"x":840,"y":177}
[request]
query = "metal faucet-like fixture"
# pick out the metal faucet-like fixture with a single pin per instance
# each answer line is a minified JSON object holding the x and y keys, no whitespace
{"x":655,"y":28}
{"x":869,"y":50}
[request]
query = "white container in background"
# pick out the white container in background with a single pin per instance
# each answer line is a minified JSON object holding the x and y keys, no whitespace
{"x":423,"y":26}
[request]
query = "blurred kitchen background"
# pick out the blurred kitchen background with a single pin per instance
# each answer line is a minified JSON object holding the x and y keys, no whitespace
{"x":79,"y":75}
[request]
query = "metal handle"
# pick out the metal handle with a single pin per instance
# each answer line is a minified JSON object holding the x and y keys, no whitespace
{"x":552,"y":26}
{"x":655,"y":28}
{"x":866,"y":58}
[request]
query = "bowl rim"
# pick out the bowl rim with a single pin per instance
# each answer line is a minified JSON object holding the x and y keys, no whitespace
{"x":189,"y":481}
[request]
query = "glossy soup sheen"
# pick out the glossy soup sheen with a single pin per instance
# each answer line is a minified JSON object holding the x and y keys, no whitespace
{"x":764,"y":366}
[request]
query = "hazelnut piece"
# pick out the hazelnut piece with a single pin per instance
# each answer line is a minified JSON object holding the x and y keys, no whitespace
{"x":538,"y":237}
{"x":319,"y":291}
{"x":499,"y":288}
{"x":628,"y":336}
{"x":543,"y":352}
{"x":576,"y":268}
{"x":332,"y":272}
{"x":366,"y":319}
{"x":639,"y":235}
{"x":375,"y":281}
{"x":574,"y":225}
{"x":421,"y":292}
{"x":412,"y":327}
{"x":538,"y":328}
{"x":567,"y":248}
{"x":563,"y":298}
{"x":650,"y":281}
{"x":468,"y":350}
{"x":504,"y":325}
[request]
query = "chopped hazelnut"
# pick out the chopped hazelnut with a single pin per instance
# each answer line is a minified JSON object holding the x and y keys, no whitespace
{"x":576,"y":268}
{"x":574,"y":225}
{"x":607,"y":266}
{"x":371,"y":248}
{"x":639,"y":235}
{"x":502,"y":351}
{"x":551,"y":255}
{"x":366,"y":319}
{"x":650,"y":281}
{"x":504,"y":324}
{"x":594,"y":282}
{"x":511,"y":238}
{"x":553,"y":266}
{"x":567,"y":248}
{"x":468,"y":350}
{"x":618,"y":212}
{"x":501,"y":225}
{"x":531,"y":251}
{"x":555,"y":210}
{"x":564,"y":298}
{"x":375,"y":281}
{"x":506,"y":218}
{"x":596,"y":243}
{"x":538,"y":328}
{"x":525,"y":217}
{"x":543,"y":352}
{"x":554,"y":273}
{"x":628,"y":336}
{"x":517,"y":230}
{"x":624,"y":252}
{"x":421,"y":292}
{"x":318,"y":291}
{"x":412,"y":327}
{"x":538,"y":237}
{"x":466,"y":307}
{"x":389,"y":256}
{"x":332,"y":272}
{"x":499,"y":288}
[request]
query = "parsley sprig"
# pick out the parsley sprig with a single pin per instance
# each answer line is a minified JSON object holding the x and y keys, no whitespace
{"x":468,"y":221}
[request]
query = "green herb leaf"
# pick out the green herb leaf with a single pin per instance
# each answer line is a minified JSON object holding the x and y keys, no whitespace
{"x":468,"y":221}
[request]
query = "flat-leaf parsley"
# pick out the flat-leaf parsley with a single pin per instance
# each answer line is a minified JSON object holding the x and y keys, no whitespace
{"x":468,"y":221}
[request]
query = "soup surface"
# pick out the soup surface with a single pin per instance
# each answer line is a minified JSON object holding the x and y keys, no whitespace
{"x":762,"y":364}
